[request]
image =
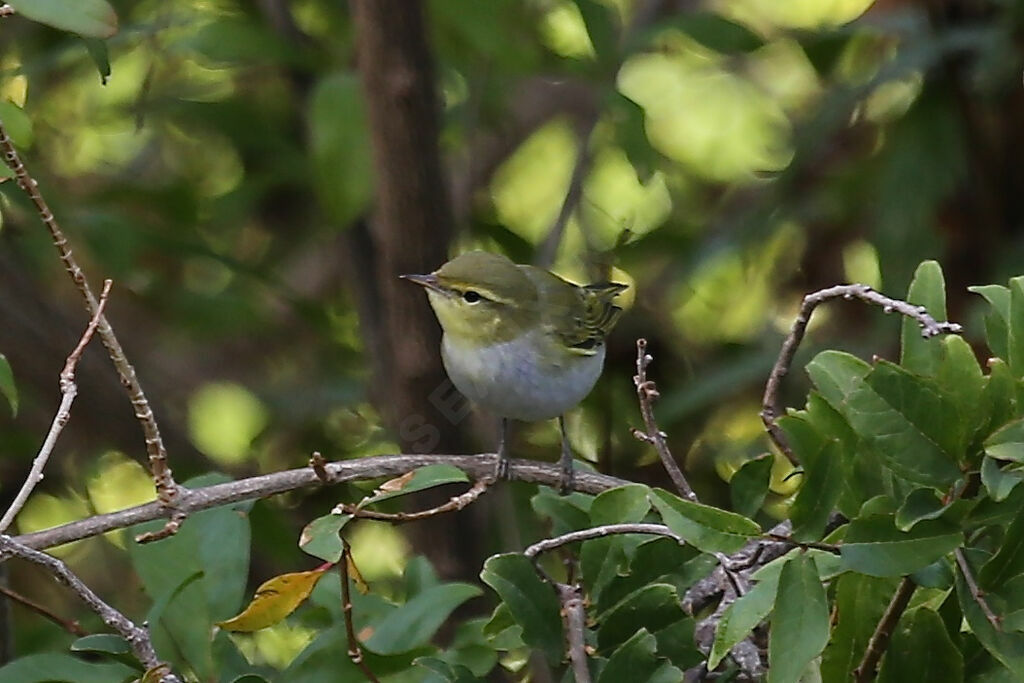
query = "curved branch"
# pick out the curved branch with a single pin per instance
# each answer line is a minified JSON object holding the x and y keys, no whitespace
{"x":263,"y":486}
{"x":600,"y":532}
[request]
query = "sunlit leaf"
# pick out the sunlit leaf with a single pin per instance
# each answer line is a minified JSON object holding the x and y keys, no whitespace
{"x":274,"y":600}
{"x":89,"y":18}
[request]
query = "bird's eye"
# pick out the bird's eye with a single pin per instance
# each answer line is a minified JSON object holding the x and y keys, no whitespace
{"x":471,"y":297}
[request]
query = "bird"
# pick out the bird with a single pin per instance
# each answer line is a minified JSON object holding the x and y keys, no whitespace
{"x":519,"y":341}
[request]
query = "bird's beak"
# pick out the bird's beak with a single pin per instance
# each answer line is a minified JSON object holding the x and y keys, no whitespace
{"x":428,"y":281}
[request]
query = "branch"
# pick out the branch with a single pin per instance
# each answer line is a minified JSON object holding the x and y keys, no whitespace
{"x":771,"y":406}
{"x":646,"y":392}
{"x":137,"y":637}
{"x":71,"y":626}
{"x":355,"y":653}
{"x":976,"y":592}
{"x":166,"y":488}
{"x":571,"y":597}
{"x":263,"y":486}
{"x":600,"y":532}
{"x":455,"y":503}
{"x":879,"y":640}
{"x":68,"y":390}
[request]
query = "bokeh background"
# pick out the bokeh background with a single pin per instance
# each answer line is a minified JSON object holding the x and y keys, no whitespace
{"x":253,"y":176}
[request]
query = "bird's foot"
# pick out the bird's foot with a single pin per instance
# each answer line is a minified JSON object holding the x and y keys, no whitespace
{"x":502,"y":471}
{"x":567,"y":480}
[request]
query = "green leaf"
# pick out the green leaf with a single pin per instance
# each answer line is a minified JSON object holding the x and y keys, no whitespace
{"x":1007,"y":443}
{"x":601,"y":561}
{"x":1008,"y":561}
{"x":418,"y":480}
{"x":999,"y":482}
{"x":749,"y":485}
{"x":999,"y":400}
{"x":859,"y":605}
{"x":821,"y":460}
{"x":567,"y":513}
{"x":7,"y":386}
{"x":836,"y":375}
{"x":532,"y":603}
{"x":921,"y":650}
{"x":450,"y":673}
{"x":920,"y":505}
{"x":599,"y":20}
{"x":89,"y":18}
{"x":707,"y":528}
{"x":740,"y":618}
{"x":1007,"y":647}
{"x":963,"y":385}
{"x":340,"y":147}
{"x":50,"y":667}
{"x":874,"y":546}
{"x":655,"y":606}
{"x":17,"y":123}
{"x":659,"y":560}
{"x":997,"y":321}
{"x":714,"y":31}
{"x":928,"y":288}
{"x":107,"y":643}
{"x":1015,"y":340}
{"x":100,"y":57}
{"x":413,"y":624}
{"x":620,"y":505}
{"x":675,"y":643}
{"x":799,"y":627}
{"x":636,"y":660}
{"x":320,"y":538}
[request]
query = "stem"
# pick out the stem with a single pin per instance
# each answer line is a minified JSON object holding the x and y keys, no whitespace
{"x":600,"y":532}
{"x":355,"y":653}
{"x":879,"y":640}
{"x":575,"y":615}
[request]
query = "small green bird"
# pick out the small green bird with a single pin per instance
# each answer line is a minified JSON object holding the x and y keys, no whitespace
{"x":520,"y":341}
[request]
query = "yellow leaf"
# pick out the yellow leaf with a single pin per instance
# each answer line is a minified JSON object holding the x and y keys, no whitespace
{"x":396,"y":484}
{"x":275,"y":600}
{"x":357,"y":578}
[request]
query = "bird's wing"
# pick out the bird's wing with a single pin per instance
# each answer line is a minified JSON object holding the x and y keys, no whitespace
{"x":581,"y":317}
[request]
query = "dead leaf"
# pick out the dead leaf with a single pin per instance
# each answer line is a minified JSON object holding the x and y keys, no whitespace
{"x":275,"y":599}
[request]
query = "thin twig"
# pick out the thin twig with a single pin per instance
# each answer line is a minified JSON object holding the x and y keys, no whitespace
{"x":355,"y":653}
{"x":168,"y":491}
{"x":68,"y":390}
{"x":455,"y":503}
{"x":827,"y":547}
{"x":137,"y":637}
{"x":69,"y":625}
{"x":879,"y":640}
{"x":976,"y":592}
{"x":771,"y":405}
{"x":255,"y":488}
{"x":646,"y":392}
{"x":571,"y":597}
{"x":600,"y":532}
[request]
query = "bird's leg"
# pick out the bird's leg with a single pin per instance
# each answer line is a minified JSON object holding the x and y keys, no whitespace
{"x":501,"y":471}
{"x":565,"y":485}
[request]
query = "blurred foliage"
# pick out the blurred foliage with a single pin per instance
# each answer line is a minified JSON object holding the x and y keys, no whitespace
{"x":212,"y":157}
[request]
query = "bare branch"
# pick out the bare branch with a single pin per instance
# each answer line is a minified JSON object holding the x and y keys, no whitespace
{"x":600,"y":532}
{"x":68,"y":390}
{"x":69,"y":625}
{"x":879,"y":640}
{"x":571,"y":597}
{"x":167,"y":489}
{"x":455,"y":503}
{"x":771,"y":407}
{"x":646,"y":392}
{"x":137,"y":637}
{"x":355,"y":653}
{"x":976,"y":592}
{"x":263,"y":486}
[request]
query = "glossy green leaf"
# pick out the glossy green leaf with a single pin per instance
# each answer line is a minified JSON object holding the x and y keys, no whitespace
{"x":532,"y":603}
{"x":1015,"y":340}
{"x":921,"y":650}
{"x":740,"y":618}
{"x":420,"y":479}
{"x":320,"y":538}
{"x":799,"y":624}
{"x":963,"y":385}
{"x":501,"y":630}
{"x":7,"y":386}
{"x":660,"y":560}
{"x":749,"y":485}
{"x":860,"y":603}
{"x":928,"y":288}
{"x":89,"y":18}
{"x":999,"y":400}
{"x":998,"y":481}
{"x":921,"y":504}
{"x":874,"y":546}
{"x":1008,"y":561}
{"x":1007,"y":443}
{"x":655,"y":607}
{"x":997,"y":321}
{"x":1007,"y":647}
{"x":450,"y":673}
{"x":602,"y":560}
{"x":53,"y":666}
{"x":413,"y":624}
{"x":836,"y":375}
{"x":100,"y":57}
{"x":620,"y":505}
{"x":567,"y":513}
{"x":821,"y":461}
{"x":707,"y":528}
{"x":635,"y":660}
{"x":106,"y":643}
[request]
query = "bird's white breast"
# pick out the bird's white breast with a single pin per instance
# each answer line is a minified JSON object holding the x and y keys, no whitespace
{"x":514,"y":379}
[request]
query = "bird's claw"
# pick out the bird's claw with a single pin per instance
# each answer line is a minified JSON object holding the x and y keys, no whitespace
{"x":501,"y":470}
